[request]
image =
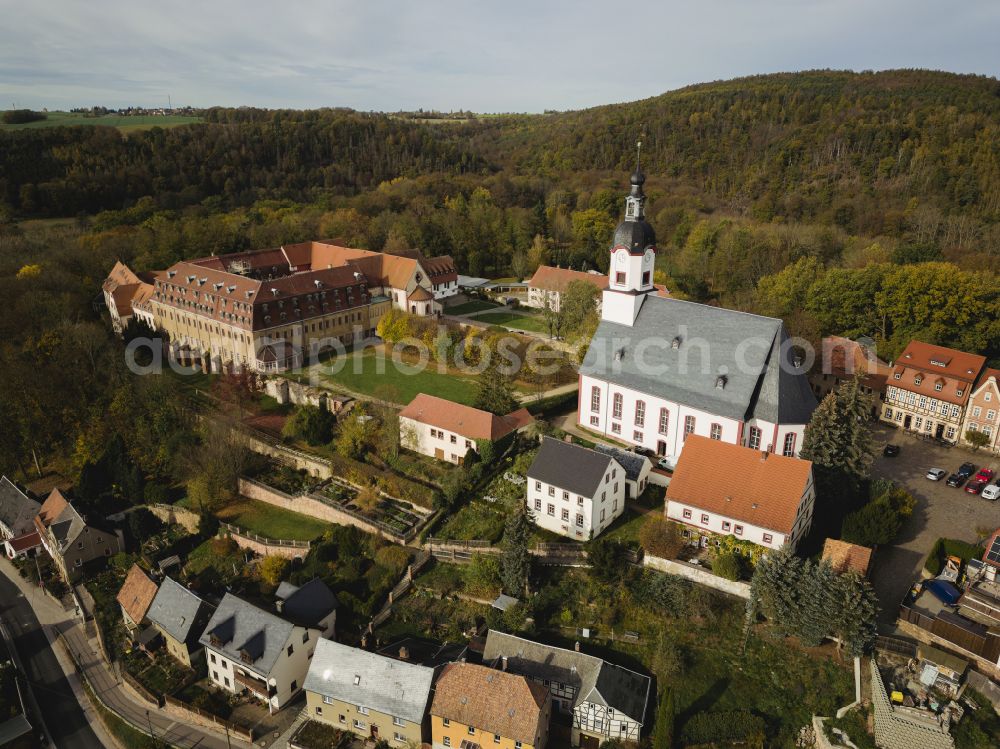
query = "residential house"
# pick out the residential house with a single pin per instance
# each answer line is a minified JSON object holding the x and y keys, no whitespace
{"x":659,"y":370}
{"x":983,"y":411}
{"x":842,"y":359}
{"x":447,"y":430}
{"x":17,"y":521}
{"x":574,"y":491}
{"x":254,"y":651}
{"x":637,"y":468}
{"x":312,"y":605}
{"x":929,"y":388}
{"x":475,"y":706}
{"x":135,"y":597}
{"x":369,"y":695}
{"x":605,"y":701}
{"x":70,"y":539}
{"x":118,"y":289}
{"x":548,"y":284}
{"x":441,"y":272}
{"x":719,"y":488}
{"x":845,"y":557}
{"x":180,"y":616}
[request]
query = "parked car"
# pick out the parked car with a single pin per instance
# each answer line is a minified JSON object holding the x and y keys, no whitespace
{"x":890,"y":451}
{"x":665,"y":464}
{"x":966,"y":470}
{"x":644,"y":451}
{"x":975,"y":486}
{"x":986,"y":474}
{"x":991,"y":492}
{"x":956,"y":480}
{"x":936,"y":474}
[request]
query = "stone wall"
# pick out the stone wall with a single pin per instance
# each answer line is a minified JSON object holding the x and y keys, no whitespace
{"x":288,"y":391}
{"x":267,"y":547}
{"x":287,"y":455}
{"x":698,"y":574}
{"x":176,"y":516}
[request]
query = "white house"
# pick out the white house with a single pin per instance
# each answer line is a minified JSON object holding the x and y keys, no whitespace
{"x":17,"y":511}
{"x":659,"y":369}
{"x":447,"y":430}
{"x":606,"y":701}
{"x":252,"y":650}
{"x":573,"y":490}
{"x":720,"y":488}
{"x":637,"y":468}
{"x":546,"y":287}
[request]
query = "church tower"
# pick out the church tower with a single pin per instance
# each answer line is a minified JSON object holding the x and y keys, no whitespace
{"x":633,"y":254}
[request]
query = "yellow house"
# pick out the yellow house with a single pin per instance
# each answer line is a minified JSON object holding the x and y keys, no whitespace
{"x":475,"y":707}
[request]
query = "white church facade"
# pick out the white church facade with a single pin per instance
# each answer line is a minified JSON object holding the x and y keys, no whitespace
{"x":660,"y":369}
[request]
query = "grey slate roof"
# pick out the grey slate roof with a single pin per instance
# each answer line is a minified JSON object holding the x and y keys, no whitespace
{"x":630,"y":461}
{"x":713,"y":342}
{"x":374,"y":681}
{"x":636,"y":235}
{"x":571,"y":467}
{"x":17,"y":510}
{"x":178,"y":612}
{"x":597,"y":681}
{"x":309,"y":604}
{"x":242,"y":626}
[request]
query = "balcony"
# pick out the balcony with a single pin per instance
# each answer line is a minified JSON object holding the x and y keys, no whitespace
{"x":257,"y":686}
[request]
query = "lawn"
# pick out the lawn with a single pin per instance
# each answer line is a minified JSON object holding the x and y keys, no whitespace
{"x":532,"y":323}
{"x":625,"y":528}
{"x":478,"y":520}
{"x":400,"y":383}
{"x":125,"y":124}
{"x":273,"y":522}
{"x":468,"y":308}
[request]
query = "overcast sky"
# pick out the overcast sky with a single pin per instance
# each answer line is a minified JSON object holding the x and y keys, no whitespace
{"x":497,"y":56}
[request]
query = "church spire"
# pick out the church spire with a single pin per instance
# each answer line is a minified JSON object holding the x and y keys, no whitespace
{"x":636,"y":200}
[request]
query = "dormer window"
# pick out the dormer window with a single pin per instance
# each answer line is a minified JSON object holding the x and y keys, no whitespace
{"x":898,"y":376}
{"x":676,"y":343}
{"x":959,"y":393}
{"x":720,"y":382}
{"x":937,"y":386}
{"x":917,"y":380}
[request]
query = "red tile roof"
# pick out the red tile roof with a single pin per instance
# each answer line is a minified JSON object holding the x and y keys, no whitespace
{"x":24,"y":542}
{"x":557,"y":279}
{"x":120,"y":275}
{"x":471,"y":423}
{"x":843,"y":358}
{"x":741,"y":483}
{"x":136,"y":594}
{"x":843,"y":556}
{"x":954,"y":370}
{"x":493,"y":701}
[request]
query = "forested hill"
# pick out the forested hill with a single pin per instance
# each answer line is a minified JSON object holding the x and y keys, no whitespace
{"x":827,"y":146}
{"x":795,"y":145}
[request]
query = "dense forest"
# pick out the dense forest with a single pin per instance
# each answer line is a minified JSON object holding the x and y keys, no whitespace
{"x":853,"y":203}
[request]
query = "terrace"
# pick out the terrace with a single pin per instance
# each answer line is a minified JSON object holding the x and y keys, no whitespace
{"x":385,"y":512}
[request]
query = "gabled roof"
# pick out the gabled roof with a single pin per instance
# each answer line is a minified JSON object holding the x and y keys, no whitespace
{"x":843,"y":556}
{"x":845,"y":358}
{"x":26,"y":541}
{"x":558,"y":279}
{"x":361,"y":678}
{"x":596,"y":680}
{"x":178,"y":612}
{"x":440,"y":269}
{"x":239,"y":626}
{"x":759,"y":488}
{"x":137,"y":594}
{"x":922,"y":367}
{"x":309,"y":604}
{"x":52,"y":508}
{"x":571,"y":467}
{"x":711,"y":343}
{"x":120,"y":275}
{"x":60,"y":519}
{"x":490,"y":700}
{"x":17,"y":509}
{"x":471,"y":423}
{"x":633,"y":463}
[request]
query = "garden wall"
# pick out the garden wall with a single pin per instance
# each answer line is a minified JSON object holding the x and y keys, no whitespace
{"x":306,"y":505}
{"x":698,"y":575}
{"x":176,"y":516}
{"x":190,"y":714}
{"x":267,"y":547}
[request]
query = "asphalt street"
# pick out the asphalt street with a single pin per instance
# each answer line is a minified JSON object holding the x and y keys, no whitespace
{"x":63,"y":716}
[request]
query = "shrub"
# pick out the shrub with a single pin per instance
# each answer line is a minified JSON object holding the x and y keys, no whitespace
{"x":273,"y":569}
{"x":392,"y":558}
{"x":727,"y":565}
{"x":661,"y":537}
{"x":736,"y":726}
{"x":879,"y":521}
{"x":223,"y":547}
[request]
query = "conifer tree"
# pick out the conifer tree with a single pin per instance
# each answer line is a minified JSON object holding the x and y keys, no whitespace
{"x":515,"y":564}
{"x":664,"y":737}
{"x":837,"y":439}
{"x":494,"y":392}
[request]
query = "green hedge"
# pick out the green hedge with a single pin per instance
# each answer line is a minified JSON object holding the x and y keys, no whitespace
{"x":739,"y":725}
{"x":551,"y":403}
{"x":950,"y":547}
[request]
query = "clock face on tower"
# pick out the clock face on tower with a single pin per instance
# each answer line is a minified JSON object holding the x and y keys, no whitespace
{"x":621,"y":258}
{"x":647,"y":259}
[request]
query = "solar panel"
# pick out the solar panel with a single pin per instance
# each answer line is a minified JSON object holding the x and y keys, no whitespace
{"x":993,"y":555}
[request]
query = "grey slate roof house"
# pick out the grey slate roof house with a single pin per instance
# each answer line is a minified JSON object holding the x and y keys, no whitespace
{"x":17,"y":511}
{"x":180,"y":616}
{"x":367,"y":693}
{"x":573,"y":490}
{"x":70,"y":539}
{"x":256,"y":651}
{"x":606,"y":701}
{"x":311,"y":605}
{"x":637,"y":468}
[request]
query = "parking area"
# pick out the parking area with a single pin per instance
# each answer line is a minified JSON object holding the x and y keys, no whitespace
{"x":941,"y":510}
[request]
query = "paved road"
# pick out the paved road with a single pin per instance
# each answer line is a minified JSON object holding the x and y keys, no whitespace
{"x":941,"y":512}
{"x":63,"y":716}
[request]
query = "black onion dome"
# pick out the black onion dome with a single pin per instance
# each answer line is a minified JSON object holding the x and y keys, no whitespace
{"x":636,"y":236}
{"x":638,"y":178}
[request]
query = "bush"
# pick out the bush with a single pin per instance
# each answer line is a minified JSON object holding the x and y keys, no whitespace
{"x":727,"y":565}
{"x":273,"y":569}
{"x":949,"y":547}
{"x":661,"y":537}
{"x":879,"y":521}
{"x":739,"y":725}
{"x":155,"y":494}
{"x":392,"y":558}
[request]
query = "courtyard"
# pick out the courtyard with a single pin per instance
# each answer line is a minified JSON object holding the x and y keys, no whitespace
{"x":941,"y":511}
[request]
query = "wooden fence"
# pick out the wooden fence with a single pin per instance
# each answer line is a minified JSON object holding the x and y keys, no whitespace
{"x":400,"y":590}
{"x":265,"y":546}
{"x":141,"y":690}
{"x":242,"y":732}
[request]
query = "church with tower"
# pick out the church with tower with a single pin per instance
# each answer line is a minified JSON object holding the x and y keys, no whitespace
{"x":660,"y":369}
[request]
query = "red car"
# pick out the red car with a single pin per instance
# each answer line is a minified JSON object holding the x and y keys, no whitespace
{"x":975,"y":486}
{"x":986,"y":475}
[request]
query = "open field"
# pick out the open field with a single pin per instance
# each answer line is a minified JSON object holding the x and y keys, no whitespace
{"x":270,"y":521}
{"x":125,"y":124}
{"x":532,"y":323}
{"x":401,"y":383}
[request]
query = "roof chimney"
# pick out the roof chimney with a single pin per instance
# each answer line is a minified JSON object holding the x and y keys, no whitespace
{"x":503,"y":663}
{"x":404,"y":653}
{"x":763,"y":455}
{"x":576,"y":646}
